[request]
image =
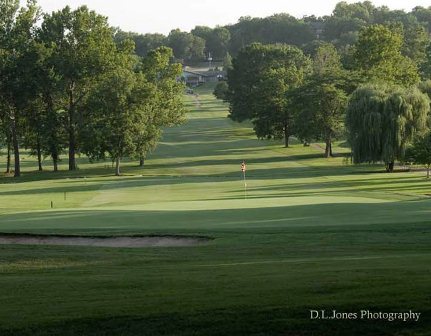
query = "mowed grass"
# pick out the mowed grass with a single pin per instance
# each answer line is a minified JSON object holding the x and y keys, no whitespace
{"x":309,"y":233}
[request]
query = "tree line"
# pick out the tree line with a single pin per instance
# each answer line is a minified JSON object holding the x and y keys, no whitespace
{"x":380,"y":102}
{"x":341,"y":28}
{"x":67,"y":85}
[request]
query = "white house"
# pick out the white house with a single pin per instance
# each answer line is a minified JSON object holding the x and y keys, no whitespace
{"x":194,"y":78}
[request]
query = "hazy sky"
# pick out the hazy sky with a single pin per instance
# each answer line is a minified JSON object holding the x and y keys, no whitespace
{"x":163,"y":15}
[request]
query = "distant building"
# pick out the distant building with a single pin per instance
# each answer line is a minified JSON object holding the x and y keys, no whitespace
{"x":194,"y":78}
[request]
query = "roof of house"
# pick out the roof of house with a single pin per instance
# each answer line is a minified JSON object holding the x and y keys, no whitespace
{"x":196,"y":73}
{"x":204,"y":73}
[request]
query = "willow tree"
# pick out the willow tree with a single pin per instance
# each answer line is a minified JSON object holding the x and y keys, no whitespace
{"x":382,"y":121}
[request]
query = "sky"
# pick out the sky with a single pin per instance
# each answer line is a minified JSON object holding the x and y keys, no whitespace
{"x":161,"y":16}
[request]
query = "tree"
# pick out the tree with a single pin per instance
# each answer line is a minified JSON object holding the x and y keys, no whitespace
{"x":319,"y":112}
{"x":423,"y":15}
{"x":319,"y":103}
{"x":382,"y":121}
{"x":52,"y":115}
{"x":378,"y":55}
{"x":130,"y":105}
{"x":33,"y":123}
{"x":416,"y":42}
{"x":82,"y":50}
{"x":17,"y":61}
{"x":186,"y":46}
{"x":420,"y":152}
{"x":119,"y":104}
{"x":258,"y":82}
{"x":217,"y":42}
{"x":146,"y":140}
{"x":426,"y":65}
{"x":202,"y":31}
{"x":326,"y":60}
{"x":221,"y":89}
{"x":168,"y":103}
{"x":227,"y":62}
{"x":6,"y":134}
{"x":143,"y":43}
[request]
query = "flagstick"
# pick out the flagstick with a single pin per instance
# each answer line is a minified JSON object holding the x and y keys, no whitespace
{"x":245,"y":186}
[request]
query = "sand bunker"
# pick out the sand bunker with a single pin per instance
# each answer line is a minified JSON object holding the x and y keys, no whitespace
{"x":130,"y":242}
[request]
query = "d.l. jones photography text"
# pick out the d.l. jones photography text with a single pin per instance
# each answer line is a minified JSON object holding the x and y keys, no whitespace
{"x":364,"y":315}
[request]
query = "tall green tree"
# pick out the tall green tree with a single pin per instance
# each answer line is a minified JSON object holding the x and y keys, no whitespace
{"x":51,"y":125}
{"x":6,"y":133}
{"x":319,"y":112}
{"x":420,"y":152}
{"x":119,"y":104}
{"x":378,"y":55}
{"x":17,"y":63}
{"x":382,"y":121}
{"x":82,"y":50}
{"x":186,"y":46}
{"x":258,"y":83}
{"x":227,"y":62}
{"x":426,"y":65}
{"x":131,"y":104}
{"x":278,"y":28}
{"x":319,"y":103}
{"x":144,"y":43}
{"x":168,"y":108}
{"x":217,"y":42}
{"x":221,"y":89}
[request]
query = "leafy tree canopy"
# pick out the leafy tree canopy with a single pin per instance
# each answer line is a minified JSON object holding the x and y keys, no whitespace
{"x":383,"y":120}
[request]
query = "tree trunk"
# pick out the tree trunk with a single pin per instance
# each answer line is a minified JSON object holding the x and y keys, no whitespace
{"x":390,"y":167}
{"x":72,"y":144}
{"x":39,"y":155}
{"x":72,"y":135}
{"x":328,"y":149}
{"x":141,"y":162}
{"x":428,"y":171}
{"x":117,"y":166}
{"x":8,"y":159}
{"x":286,"y":136}
{"x":53,"y":138}
{"x":55,"y":161}
{"x":16,"y":148}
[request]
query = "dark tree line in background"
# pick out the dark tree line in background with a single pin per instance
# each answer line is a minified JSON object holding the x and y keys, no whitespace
{"x":66,"y":84}
{"x":342,"y":29}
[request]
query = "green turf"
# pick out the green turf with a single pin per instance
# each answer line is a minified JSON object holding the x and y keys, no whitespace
{"x":310,"y":233}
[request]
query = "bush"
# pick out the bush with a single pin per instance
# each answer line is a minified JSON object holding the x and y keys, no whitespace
{"x":220,"y":90}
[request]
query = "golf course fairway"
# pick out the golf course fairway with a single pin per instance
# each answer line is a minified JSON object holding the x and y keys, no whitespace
{"x":307,"y":233}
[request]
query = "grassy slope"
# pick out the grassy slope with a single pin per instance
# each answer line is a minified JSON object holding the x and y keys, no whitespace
{"x":312,"y":234}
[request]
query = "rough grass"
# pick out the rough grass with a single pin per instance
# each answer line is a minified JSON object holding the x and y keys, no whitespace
{"x":311,"y":233}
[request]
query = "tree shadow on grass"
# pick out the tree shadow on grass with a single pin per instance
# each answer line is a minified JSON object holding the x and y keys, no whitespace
{"x":76,"y":183}
{"x":203,"y":221}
